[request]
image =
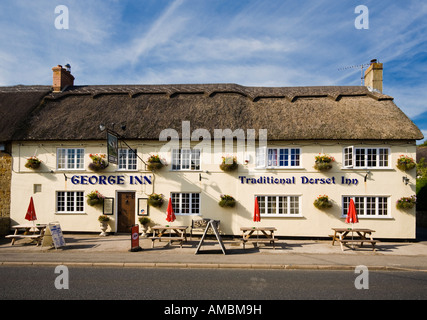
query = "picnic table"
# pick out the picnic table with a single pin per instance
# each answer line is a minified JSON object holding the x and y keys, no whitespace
{"x":266,"y":233}
{"x":169,"y":233}
{"x":342,"y":235}
{"x":33,"y":232}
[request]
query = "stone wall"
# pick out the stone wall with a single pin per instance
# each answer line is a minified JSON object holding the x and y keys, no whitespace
{"x":5,"y":179}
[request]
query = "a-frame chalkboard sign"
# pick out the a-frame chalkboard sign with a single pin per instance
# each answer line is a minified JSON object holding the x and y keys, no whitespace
{"x":214,"y":225}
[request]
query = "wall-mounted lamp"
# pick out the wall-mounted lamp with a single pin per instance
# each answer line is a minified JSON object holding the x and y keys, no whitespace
{"x":405,"y":180}
{"x":367,"y":174}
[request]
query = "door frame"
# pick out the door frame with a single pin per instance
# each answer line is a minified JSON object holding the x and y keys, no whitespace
{"x":117,"y":207}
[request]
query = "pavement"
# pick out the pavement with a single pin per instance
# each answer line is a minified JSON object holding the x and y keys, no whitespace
{"x":114,"y":251}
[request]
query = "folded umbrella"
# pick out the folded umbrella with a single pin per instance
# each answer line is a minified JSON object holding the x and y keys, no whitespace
{"x":31,"y":212}
{"x":170,"y":217}
{"x":257,"y":216}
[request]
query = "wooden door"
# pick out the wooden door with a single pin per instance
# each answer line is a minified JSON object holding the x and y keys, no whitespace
{"x":125,"y":211}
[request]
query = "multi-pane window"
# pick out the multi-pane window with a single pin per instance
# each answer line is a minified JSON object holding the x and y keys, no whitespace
{"x":186,"y":203}
{"x":278,"y":157}
{"x":368,"y":206}
{"x":279,"y":205}
{"x":127,"y":159}
{"x":366,"y":157}
{"x":70,"y":158}
{"x":186,"y":159}
{"x":69,"y":201}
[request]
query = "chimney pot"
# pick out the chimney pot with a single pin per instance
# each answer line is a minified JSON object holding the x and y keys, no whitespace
{"x":61,"y":78}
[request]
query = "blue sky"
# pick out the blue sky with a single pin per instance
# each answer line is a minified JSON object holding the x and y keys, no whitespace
{"x":249,"y":42}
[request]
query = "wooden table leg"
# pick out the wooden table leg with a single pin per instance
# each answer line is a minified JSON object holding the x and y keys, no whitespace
{"x":13,"y":239}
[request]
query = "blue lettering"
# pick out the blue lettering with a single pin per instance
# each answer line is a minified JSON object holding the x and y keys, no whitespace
{"x":75,"y":180}
{"x":83,"y":179}
{"x":92,"y":178}
{"x":120,"y":180}
{"x":101,"y":180}
{"x":148,"y":180}
{"x":138,"y":180}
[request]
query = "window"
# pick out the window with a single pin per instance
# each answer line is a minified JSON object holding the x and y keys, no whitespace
{"x":278,"y":157}
{"x":186,"y":159}
{"x":69,"y":201}
{"x":368,"y":206}
{"x":71,"y":159}
{"x":366,"y":157}
{"x":186,"y":203}
{"x":127,"y":159}
{"x":279,"y":205}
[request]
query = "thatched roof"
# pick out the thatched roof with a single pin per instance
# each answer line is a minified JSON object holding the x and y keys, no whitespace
{"x":288,"y":113}
{"x":15,"y":105}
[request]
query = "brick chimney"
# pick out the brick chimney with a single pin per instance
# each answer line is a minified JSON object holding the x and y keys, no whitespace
{"x":374,"y":76}
{"x":62,"y":78}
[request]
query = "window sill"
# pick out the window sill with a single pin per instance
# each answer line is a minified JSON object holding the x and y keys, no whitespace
{"x":282,"y":216}
{"x":279,"y":168}
{"x":71,"y":213}
{"x":368,"y":168}
{"x":371,"y":217}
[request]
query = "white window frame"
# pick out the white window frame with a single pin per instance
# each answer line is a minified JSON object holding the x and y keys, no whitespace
{"x":278,"y":200}
{"x":179,"y":200}
{"x":75,"y":197}
{"x":186,"y":159}
{"x":127,"y":160}
{"x":64,"y":158}
{"x":265,"y":158}
{"x":365,"y":206}
{"x":351,"y":158}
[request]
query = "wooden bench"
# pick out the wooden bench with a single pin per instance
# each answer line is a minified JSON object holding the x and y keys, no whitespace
{"x":37,"y":237}
{"x":167,"y":238}
{"x":271,"y":241}
{"x":200,"y":225}
{"x":361,"y":241}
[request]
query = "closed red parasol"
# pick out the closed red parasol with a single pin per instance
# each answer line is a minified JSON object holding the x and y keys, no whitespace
{"x":257,"y":216}
{"x":351,"y":214}
{"x":31,"y":212}
{"x":170,"y":214}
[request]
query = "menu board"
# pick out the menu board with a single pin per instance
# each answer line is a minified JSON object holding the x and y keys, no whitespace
{"x":53,"y":236}
{"x":214,"y":225}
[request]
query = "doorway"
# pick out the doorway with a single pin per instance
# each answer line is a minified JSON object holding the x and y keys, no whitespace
{"x":125,"y":211}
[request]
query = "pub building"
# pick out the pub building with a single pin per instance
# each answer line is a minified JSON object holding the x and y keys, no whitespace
{"x":289,"y":147}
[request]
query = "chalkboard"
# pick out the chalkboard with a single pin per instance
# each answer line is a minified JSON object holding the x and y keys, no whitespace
{"x":214,"y":225}
{"x":53,"y":236}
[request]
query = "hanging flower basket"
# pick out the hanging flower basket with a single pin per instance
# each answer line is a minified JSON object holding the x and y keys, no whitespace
{"x":227,"y":201}
{"x":322,"y":202}
{"x":228,"y":164}
{"x":154,"y":163}
{"x":95,"y":198}
{"x":98,"y":162}
{"x":323,"y":162}
{"x":406,"y":202}
{"x":405,"y":163}
{"x":33,"y":163}
{"x":155,"y":200}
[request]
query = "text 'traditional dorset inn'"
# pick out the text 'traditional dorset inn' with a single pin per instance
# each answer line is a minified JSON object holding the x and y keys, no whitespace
{"x":302,"y":152}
